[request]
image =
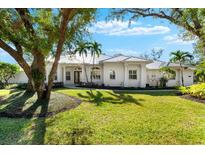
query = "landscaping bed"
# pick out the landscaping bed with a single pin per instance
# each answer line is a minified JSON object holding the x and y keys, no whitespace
{"x":194,"y":92}
{"x":23,"y":104}
{"x":192,"y":98}
{"x":123,"y":88}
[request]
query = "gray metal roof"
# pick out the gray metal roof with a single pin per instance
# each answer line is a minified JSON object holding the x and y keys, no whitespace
{"x":155,"y":65}
{"x":134,"y":59}
{"x":159,"y":64}
{"x":77,"y":59}
{"x":119,"y":58}
{"x":123,"y":58}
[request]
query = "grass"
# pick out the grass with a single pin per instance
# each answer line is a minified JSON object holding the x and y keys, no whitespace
{"x":4,"y":92}
{"x":110,"y":117}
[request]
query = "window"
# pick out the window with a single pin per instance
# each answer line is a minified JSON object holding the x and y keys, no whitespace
{"x":112,"y":74}
{"x":153,"y":76}
{"x":67,"y":76}
{"x":133,"y":74}
{"x":56,"y":77}
{"x":95,"y":73}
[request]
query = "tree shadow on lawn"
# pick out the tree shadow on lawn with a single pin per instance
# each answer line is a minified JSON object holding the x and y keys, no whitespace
{"x":15,"y":104}
{"x":39,"y":122}
{"x":98,"y":98}
{"x":14,"y":109}
{"x":25,"y":105}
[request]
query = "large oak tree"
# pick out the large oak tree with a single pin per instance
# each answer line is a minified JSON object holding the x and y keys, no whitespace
{"x":40,"y":33}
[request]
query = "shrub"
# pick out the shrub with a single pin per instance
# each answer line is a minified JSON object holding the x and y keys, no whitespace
{"x":22,"y":86}
{"x":163,"y":81}
{"x":197,"y":90}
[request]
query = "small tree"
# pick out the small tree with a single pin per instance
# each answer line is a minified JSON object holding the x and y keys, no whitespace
{"x":7,"y":71}
{"x":181,"y":57}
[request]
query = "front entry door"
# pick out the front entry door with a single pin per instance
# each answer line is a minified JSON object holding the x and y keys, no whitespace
{"x":77,"y":77}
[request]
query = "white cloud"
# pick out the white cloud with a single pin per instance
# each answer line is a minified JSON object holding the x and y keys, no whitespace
{"x":122,"y":28}
{"x":175,"y":39}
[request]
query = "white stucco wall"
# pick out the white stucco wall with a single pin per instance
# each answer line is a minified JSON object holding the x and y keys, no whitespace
{"x":20,"y":77}
{"x":119,"y":71}
{"x":188,"y":77}
{"x":58,"y":72}
{"x":71,"y":70}
{"x":132,"y":82}
{"x":122,"y":74}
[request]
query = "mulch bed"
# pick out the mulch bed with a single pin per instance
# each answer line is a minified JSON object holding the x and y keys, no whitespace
{"x":192,"y":98}
{"x":16,"y":112}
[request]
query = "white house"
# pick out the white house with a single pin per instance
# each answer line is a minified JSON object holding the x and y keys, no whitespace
{"x":118,"y":71}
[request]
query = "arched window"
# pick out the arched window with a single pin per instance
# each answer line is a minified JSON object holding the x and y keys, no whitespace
{"x":95,"y":73}
{"x":112,"y":74}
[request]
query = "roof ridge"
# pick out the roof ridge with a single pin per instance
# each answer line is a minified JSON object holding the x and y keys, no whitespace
{"x":139,"y":57}
{"x":128,"y":57}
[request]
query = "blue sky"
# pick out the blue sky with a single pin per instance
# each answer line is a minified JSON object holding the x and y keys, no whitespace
{"x":139,"y":38}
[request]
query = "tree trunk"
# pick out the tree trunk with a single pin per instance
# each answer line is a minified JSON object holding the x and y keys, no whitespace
{"x":66,"y":15}
{"x":30,"y":87}
{"x":38,"y":71}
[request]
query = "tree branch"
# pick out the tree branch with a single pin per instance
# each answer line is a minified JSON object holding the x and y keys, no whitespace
{"x":161,"y":14}
{"x":18,"y":57}
{"x":66,"y":15}
{"x":18,"y":47}
{"x":25,"y":17}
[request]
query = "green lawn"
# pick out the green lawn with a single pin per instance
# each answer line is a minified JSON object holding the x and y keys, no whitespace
{"x":108,"y":117}
{"x":4,"y":92}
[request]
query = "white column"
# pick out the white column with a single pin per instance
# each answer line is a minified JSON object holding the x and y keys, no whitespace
{"x":125,"y":75}
{"x":64,"y":70}
{"x":83,"y":74}
{"x":143,"y":78}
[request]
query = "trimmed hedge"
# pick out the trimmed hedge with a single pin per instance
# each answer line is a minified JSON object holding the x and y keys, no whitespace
{"x":197,"y":90}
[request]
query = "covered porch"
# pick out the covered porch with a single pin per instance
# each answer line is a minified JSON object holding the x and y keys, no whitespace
{"x":72,"y":74}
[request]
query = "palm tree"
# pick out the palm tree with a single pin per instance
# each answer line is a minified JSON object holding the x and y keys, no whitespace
{"x":82,"y":48}
{"x":95,"y":50}
{"x":180,"y":57}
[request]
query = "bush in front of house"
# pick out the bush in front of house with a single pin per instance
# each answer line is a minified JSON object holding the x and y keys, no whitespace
{"x":197,"y":90}
{"x":21,"y":86}
{"x":163,"y":82}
